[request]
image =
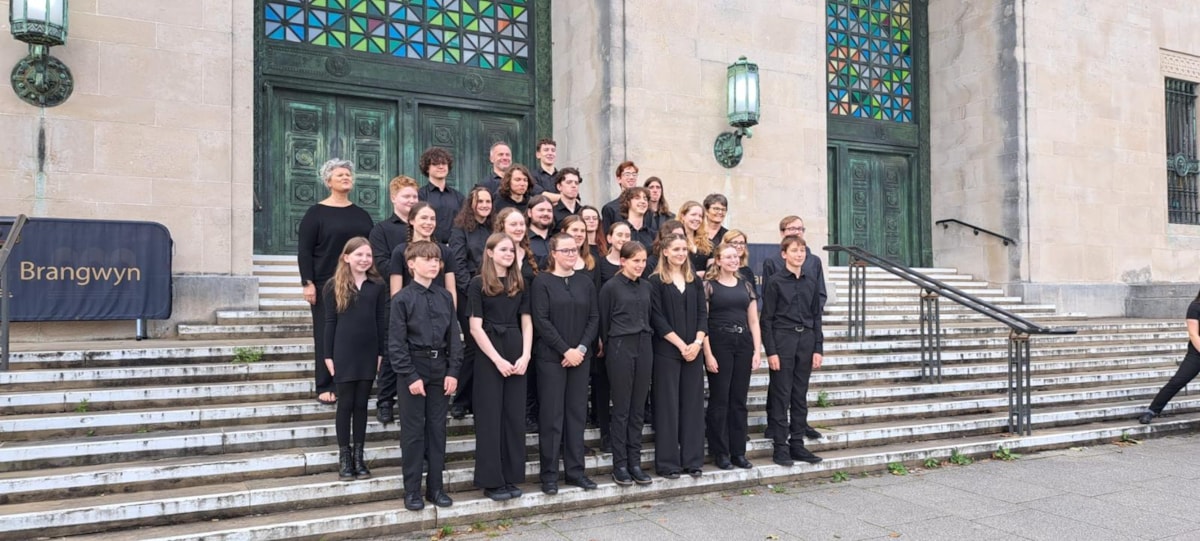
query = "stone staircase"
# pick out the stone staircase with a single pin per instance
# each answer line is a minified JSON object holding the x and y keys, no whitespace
{"x":177,"y":440}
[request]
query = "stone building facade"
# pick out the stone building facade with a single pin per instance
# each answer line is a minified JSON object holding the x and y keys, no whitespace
{"x":1042,"y":121}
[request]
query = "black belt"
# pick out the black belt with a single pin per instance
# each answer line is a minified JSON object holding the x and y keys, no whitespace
{"x":733,"y":329}
{"x":796,"y":328}
{"x":426,"y":352}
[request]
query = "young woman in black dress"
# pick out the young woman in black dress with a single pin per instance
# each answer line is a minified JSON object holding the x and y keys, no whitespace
{"x":356,"y":303}
{"x":503,"y":333}
{"x":324,"y":231}
{"x":626,"y":334}
{"x":472,"y":227}
{"x":680,"y":319}
{"x":730,"y":355}
{"x":566,"y":322}
{"x":691,"y":214}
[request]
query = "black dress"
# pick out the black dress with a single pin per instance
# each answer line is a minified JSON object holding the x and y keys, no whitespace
{"x":499,"y":402}
{"x":355,"y":338}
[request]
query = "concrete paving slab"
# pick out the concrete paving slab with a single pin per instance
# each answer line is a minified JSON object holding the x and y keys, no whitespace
{"x":1041,"y":525}
{"x":1126,"y":520}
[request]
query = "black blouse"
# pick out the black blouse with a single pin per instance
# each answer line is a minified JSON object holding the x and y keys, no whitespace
{"x":467,"y":247}
{"x":624,"y":307}
{"x":501,"y":315}
{"x":399,"y":265}
{"x":354,"y":339}
{"x":324,"y":231}
{"x":684,"y":313}
{"x":565,"y":314}
{"x":423,"y":318}
{"x":727,"y":304}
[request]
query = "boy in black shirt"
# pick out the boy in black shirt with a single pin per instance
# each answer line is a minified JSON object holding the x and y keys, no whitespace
{"x":426,"y":355}
{"x":791,"y":332}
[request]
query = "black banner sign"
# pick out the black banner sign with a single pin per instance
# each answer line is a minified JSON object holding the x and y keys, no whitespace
{"x":84,"y":270}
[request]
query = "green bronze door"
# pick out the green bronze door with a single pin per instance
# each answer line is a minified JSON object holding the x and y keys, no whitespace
{"x":468,"y":135}
{"x":307,"y":129}
{"x":875,"y":206}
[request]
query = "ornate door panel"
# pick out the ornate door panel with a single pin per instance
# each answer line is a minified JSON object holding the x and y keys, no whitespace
{"x":468,"y":135}
{"x":874,"y":205}
{"x":368,"y":130}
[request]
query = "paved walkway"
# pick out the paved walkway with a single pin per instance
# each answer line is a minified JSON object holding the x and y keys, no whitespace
{"x":1118,"y":492}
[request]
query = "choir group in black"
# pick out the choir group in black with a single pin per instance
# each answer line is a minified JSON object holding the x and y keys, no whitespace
{"x":522,"y":306}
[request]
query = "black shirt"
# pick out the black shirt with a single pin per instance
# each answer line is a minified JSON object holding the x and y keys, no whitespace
{"x":812,"y":265}
{"x":624,"y":307}
{"x":791,"y":301}
{"x":716,"y":239}
{"x":355,"y":339}
{"x":684,"y":313}
{"x":606,"y":270}
{"x":540,"y":246}
{"x":501,"y":315}
{"x":423,"y":318}
{"x":499,"y":203}
{"x":492,"y":183}
{"x":324,"y":231}
{"x":399,"y":265}
{"x":565,"y":314}
{"x":646,"y":233}
{"x":1193,"y":312}
{"x":699,"y":260}
{"x":467,"y":247}
{"x":610,"y":214}
{"x":544,"y":180}
{"x":748,"y":275}
{"x":384,"y":238}
{"x":561,"y":212}
{"x":727,"y":304}
{"x":446,"y":203}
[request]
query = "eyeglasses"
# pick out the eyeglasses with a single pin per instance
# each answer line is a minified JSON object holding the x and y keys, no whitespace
{"x":738,"y":243}
{"x":718,"y":210}
{"x":629,"y":174}
{"x":795,"y":229}
{"x":567,"y":251}
{"x":590,"y":218}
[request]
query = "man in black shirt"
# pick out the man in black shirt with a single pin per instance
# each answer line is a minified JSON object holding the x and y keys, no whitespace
{"x":436,"y":164}
{"x":541,"y":220}
{"x":627,"y":176}
{"x":567,"y":183}
{"x":384,"y":237}
{"x":500,"y":156}
{"x":543,"y":173}
{"x":792,"y":338}
{"x":793,"y":225}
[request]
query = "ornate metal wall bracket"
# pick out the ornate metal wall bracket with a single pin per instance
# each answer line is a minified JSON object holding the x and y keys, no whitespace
{"x":42,"y":80}
{"x":728,"y":148}
{"x":1183,"y":165}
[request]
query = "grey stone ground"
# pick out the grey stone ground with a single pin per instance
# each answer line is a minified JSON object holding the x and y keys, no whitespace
{"x":1118,"y":492}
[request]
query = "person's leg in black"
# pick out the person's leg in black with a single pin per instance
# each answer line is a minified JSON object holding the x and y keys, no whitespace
{"x":575,"y":421}
{"x":1186,"y":373}
{"x":601,"y":401}
{"x":717,"y":413}
{"x":466,"y":376}
{"x":412,"y":446}
{"x":739,"y":391}
{"x":553,"y":394}
{"x":324,"y":380}
{"x":643,"y":367}
{"x":359,"y":392}
{"x":688,"y":417}
{"x":341,"y":424}
{"x":512,"y":433}
{"x":621,"y":351}
{"x":436,"y":406}
{"x":799,"y":398}
{"x":665,"y":391}
{"x":385,"y":397}
{"x":488,"y":389}
{"x":779,"y":394}
{"x":531,"y":398}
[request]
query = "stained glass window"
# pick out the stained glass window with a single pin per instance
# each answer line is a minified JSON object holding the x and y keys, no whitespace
{"x":869,"y":55}
{"x":479,"y":33}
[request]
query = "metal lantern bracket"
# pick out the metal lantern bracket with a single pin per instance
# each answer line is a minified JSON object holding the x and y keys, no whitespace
{"x":42,"y":80}
{"x":728,"y":148}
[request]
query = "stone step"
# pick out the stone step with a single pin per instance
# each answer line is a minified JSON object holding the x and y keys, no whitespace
{"x":946,"y":308}
{"x":266,"y":330}
{"x":128,"y":376}
{"x":263,"y":317}
{"x":177,"y":353}
{"x":170,"y":506}
{"x":984,"y":328}
{"x":1037,"y":354}
{"x":102,"y":399}
{"x":264,"y":259}
{"x":833,"y":321}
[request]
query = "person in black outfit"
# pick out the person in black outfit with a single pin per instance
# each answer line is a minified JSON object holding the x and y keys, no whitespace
{"x":635,"y":203}
{"x":585,"y":264}
{"x":513,"y":223}
{"x":566,"y":183}
{"x":422,"y":224}
{"x":716,"y":206}
{"x":738,"y":240}
{"x":567,"y":321}
{"x":514,"y":191}
{"x":385,"y":236}
{"x":436,"y":164}
{"x":471,"y":229}
{"x":356,"y":303}
{"x":627,"y":176}
{"x":607,"y":267}
{"x":503,"y":332}
{"x":540,"y":214}
{"x":626,"y":334}
{"x":691,"y":215}
{"x":791,"y":330}
{"x":544,"y":172}
{"x":660,"y":210}
{"x":679,"y":316}
{"x":1187,"y":369}
{"x":730,"y":355}
{"x":500,"y":156}
{"x":426,"y":354}
{"x":324,"y":231}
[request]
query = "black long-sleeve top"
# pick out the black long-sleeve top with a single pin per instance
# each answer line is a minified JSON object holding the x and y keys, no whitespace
{"x":565,"y":314}
{"x":467,"y":247}
{"x":684,"y":313}
{"x":446,"y":204}
{"x":812,"y":265}
{"x":397,"y":264}
{"x":423,"y":318}
{"x":544,"y":180}
{"x":624,"y":307}
{"x":610,"y":214}
{"x":791,"y":301}
{"x":384,"y":238}
{"x":540,"y":247}
{"x":605,"y":271}
{"x":323,"y":233}
{"x":561,"y":212}
{"x":355,"y":339}
{"x":500,"y":202}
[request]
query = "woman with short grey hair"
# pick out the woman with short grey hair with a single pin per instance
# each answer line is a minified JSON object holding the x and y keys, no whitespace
{"x":324,"y":231}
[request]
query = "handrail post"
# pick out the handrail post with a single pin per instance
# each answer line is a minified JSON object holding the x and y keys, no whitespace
{"x":6,"y":248}
{"x":931,"y":337}
{"x":1019,"y":384}
{"x":857,"y":320}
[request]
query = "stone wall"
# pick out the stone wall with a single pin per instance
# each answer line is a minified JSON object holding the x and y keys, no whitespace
{"x":159,"y":128}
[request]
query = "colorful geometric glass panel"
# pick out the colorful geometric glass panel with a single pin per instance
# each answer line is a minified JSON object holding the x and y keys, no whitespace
{"x":869,"y":59}
{"x":487,"y":34}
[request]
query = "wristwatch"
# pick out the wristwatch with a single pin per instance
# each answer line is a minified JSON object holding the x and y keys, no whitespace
{"x":582,"y":349}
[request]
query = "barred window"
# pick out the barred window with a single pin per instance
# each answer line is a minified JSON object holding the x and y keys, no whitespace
{"x":1183,"y":197}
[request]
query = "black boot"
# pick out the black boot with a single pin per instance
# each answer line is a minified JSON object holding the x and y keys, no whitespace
{"x":360,"y":465}
{"x":345,"y":465}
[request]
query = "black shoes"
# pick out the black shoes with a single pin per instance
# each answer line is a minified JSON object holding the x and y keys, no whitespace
{"x":549,"y":488}
{"x":383,"y":412}
{"x":513,"y":491}
{"x":531,"y":425}
{"x":722,"y":462}
{"x":621,"y":476}
{"x":497,"y":494}
{"x":669,"y":475}
{"x":440,"y":499}
{"x":584,"y":483}
{"x":360,"y":465}
{"x":1146,"y":417}
{"x":811,"y":433}
{"x":695,"y":472}
{"x":782,"y":457}
{"x":457,"y":411}
{"x":741,"y":462}
{"x":804,"y":455}
{"x":412,"y":501}
{"x":345,"y":463}
{"x":605,"y":444}
{"x":639,"y":476}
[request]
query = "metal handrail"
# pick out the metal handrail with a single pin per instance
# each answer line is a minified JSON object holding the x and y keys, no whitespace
{"x":1019,"y":380}
{"x":946,"y":225}
{"x":14,"y":236}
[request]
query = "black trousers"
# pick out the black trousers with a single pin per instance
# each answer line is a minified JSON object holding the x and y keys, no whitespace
{"x":499,"y":424}
{"x":324,"y":379}
{"x":563,"y":415}
{"x":466,"y":375}
{"x":678,"y":391}
{"x":423,"y":435}
{"x":630,"y":360}
{"x":351,"y":417}
{"x":788,"y":390}
{"x":726,"y":415}
{"x":385,"y":393}
{"x":531,"y":392}
{"x":1186,"y":373}
{"x":601,"y":395}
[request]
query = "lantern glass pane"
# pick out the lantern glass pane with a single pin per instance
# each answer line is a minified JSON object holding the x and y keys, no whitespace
{"x":36,"y":10}
{"x":56,"y":15}
{"x":740,"y":93}
{"x":752,"y":93}
{"x":731,"y":103}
